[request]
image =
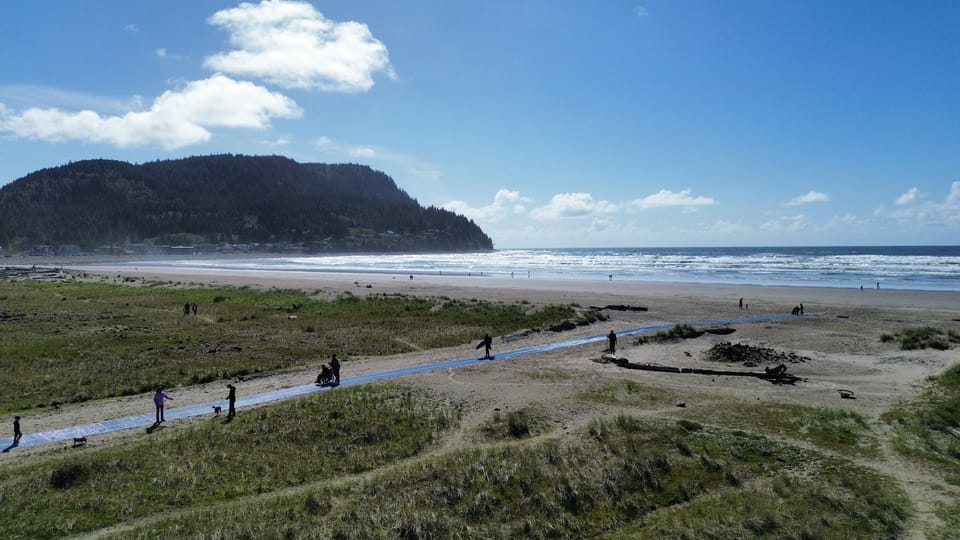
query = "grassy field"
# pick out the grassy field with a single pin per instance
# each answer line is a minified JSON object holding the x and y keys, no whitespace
{"x":72,"y":342}
{"x":389,"y":460}
{"x":623,"y":477}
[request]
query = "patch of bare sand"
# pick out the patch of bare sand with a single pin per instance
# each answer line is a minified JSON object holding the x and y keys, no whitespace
{"x":840,"y":336}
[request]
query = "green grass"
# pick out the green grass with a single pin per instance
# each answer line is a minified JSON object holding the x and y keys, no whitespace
{"x":628,"y":393}
{"x":922,"y":427}
{"x":828,"y":428}
{"x":72,"y":342}
{"x":950,"y":514}
{"x":923,"y":338}
{"x":616,"y":476}
{"x":519,"y":424}
{"x":677,"y":333}
{"x":335,"y":433}
{"x":836,"y":503}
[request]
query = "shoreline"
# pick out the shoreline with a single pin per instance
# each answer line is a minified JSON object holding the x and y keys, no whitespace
{"x":585,"y":292}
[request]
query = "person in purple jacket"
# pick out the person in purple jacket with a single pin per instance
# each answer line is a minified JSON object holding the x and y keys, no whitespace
{"x":158,"y":400}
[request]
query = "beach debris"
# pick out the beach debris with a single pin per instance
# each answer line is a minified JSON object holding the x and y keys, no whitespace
{"x":776,"y":375}
{"x":620,"y":307}
{"x":722,"y":331}
{"x":843,"y":316}
{"x":846,"y":394}
{"x":749,"y":355}
{"x":682,"y":404}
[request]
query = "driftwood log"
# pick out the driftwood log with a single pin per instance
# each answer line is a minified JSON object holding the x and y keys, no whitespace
{"x":620,"y":307}
{"x":776,"y":375}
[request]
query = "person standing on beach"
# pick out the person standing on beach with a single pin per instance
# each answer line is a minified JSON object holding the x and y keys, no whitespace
{"x":486,"y":343}
{"x":158,"y":400}
{"x":335,"y":368}
{"x":231,"y":402}
{"x":741,"y":303}
{"x":612,"y":342}
{"x":17,"y":434}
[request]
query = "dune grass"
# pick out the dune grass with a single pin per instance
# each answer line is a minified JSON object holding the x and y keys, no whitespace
{"x":927,"y":428}
{"x":75,"y":341}
{"x":617,"y":476}
{"x":525,"y":422}
{"x":331,"y":434}
{"x":923,"y":337}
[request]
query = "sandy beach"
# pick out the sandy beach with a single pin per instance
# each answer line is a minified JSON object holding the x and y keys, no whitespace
{"x":839,"y":333}
{"x":837,"y":341}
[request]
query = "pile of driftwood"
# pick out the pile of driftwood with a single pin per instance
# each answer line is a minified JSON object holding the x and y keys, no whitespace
{"x":750,"y":356}
{"x":776,"y":375}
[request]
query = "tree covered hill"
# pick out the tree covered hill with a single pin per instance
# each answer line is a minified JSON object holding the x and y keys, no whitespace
{"x":226,"y":199}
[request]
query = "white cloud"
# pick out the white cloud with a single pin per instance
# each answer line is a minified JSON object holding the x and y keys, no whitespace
{"x":504,"y":202}
{"x":783,"y":224}
{"x":568,"y":205}
{"x":810,"y":197}
{"x":908,"y":197}
{"x":665,"y":197}
{"x":291,"y":44}
{"x":176,"y":118}
{"x":927,"y":213}
{"x":954,"y":196}
{"x":131,"y":28}
{"x":641,"y":11}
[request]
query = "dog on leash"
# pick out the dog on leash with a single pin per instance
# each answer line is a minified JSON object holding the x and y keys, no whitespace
{"x":216,"y":410}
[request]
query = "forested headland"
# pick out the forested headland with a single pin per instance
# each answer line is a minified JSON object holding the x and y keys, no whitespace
{"x":228,"y":201}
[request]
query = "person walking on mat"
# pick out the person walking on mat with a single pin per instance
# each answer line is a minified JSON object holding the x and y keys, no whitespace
{"x":231,"y":402}
{"x":158,"y":400}
{"x":486,"y":343}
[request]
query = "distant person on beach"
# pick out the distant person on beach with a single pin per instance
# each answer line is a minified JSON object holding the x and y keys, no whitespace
{"x":486,"y":343}
{"x":193,"y":308}
{"x":878,"y":285}
{"x":158,"y":400}
{"x":186,"y":308}
{"x":335,"y":369}
{"x":801,"y":309}
{"x":741,"y":303}
{"x":17,"y":434}
{"x":231,"y":401}
{"x":612,"y":342}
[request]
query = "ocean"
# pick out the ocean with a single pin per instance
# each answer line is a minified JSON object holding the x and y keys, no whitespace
{"x":934,"y":268}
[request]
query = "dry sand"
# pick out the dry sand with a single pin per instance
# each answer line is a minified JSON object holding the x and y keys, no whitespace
{"x":839,"y":334}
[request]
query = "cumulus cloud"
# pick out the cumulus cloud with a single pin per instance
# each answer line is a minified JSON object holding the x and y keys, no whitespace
{"x":908,"y":197}
{"x":569,"y":205}
{"x":665,"y":197}
{"x":810,"y":197}
{"x":954,"y":196}
{"x":176,"y":118}
{"x":291,"y":44}
{"x":918,"y":211}
{"x":505,"y":202}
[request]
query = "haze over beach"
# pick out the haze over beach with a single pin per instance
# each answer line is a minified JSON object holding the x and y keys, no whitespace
{"x":551,"y":124}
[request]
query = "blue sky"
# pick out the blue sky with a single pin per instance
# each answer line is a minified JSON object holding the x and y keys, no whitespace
{"x":551,"y":123}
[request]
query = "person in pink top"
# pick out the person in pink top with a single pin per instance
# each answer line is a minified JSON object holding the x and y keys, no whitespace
{"x":158,"y":400}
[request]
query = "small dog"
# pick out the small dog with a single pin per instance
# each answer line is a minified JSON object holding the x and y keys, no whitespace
{"x":216,"y":410}
{"x":79,"y":441}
